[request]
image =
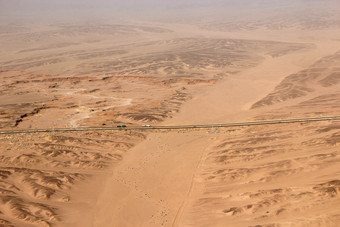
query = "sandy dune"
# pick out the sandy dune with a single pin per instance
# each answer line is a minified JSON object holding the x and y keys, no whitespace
{"x":280,"y":65}
{"x":48,"y":173}
{"x":188,"y":178}
{"x":274,"y":176}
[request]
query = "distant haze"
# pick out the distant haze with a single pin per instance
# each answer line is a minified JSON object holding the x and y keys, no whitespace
{"x":192,"y":11}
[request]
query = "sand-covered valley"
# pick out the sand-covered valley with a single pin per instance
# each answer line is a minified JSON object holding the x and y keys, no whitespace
{"x":217,"y":69}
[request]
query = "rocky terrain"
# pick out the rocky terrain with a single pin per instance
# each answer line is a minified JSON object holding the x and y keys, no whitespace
{"x":216,"y":68}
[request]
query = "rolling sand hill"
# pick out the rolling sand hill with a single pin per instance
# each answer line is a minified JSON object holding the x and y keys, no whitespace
{"x":284,"y":175}
{"x":270,"y":175}
{"x":281,"y":65}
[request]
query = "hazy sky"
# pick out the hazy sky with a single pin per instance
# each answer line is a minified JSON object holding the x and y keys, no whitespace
{"x":157,"y":10}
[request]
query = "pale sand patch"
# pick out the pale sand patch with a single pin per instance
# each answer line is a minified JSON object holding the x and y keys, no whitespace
{"x":162,"y":179}
{"x":25,"y":98}
{"x":153,"y":184}
{"x":230,"y":99}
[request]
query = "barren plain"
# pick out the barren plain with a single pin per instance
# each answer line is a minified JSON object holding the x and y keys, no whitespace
{"x":106,"y":74}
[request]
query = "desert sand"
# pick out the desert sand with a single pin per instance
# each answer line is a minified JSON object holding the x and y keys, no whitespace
{"x":68,"y":75}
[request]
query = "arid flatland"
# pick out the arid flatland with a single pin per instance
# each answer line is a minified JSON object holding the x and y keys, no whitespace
{"x":170,"y":64}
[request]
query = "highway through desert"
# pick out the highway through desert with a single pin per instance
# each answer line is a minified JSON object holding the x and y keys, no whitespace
{"x":198,"y":126}
{"x":160,"y":113}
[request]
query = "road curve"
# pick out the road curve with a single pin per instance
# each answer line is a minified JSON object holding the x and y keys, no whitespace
{"x":221,"y":125}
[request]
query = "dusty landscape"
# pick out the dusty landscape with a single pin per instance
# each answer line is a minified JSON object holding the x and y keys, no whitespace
{"x":219,"y":68}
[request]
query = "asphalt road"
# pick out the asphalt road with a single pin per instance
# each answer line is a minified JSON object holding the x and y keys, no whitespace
{"x":221,"y":125}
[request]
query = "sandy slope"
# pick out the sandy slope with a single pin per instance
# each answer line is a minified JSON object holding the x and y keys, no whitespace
{"x":164,"y":180}
{"x":259,"y":176}
{"x":276,"y":176}
{"x":230,"y":99}
{"x":56,"y":179}
{"x":185,"y":178}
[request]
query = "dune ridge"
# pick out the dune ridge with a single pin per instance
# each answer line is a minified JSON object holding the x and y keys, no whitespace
{"x":224,"y":63}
